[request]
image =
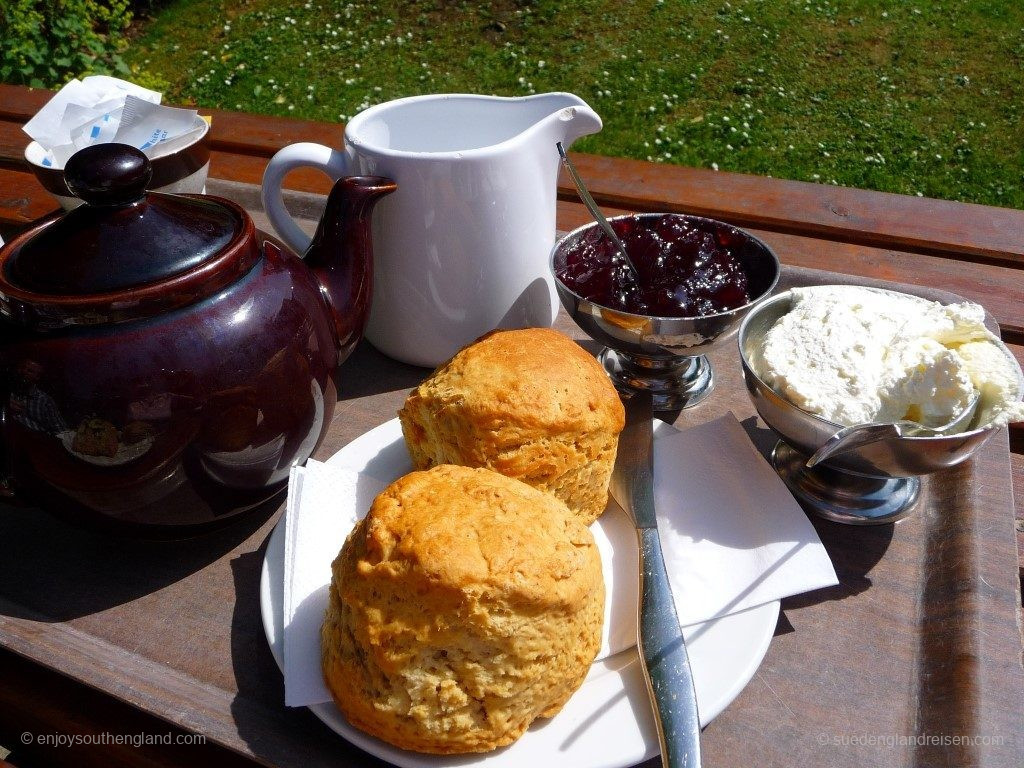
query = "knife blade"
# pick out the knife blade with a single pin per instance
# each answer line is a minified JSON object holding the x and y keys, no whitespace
{"x":663,"y":656}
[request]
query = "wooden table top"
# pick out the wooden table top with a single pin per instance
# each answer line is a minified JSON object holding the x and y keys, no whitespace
{"x":974,"y":251}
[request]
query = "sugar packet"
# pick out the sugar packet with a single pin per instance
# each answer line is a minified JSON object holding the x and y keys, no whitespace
{"x":145,"y":125}
{"x":93,"y":111}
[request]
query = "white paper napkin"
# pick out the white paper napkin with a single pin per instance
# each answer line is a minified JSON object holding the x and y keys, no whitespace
{"x":732,"y":534}
{"x":733,"y":539}
{"x":323,"y":504}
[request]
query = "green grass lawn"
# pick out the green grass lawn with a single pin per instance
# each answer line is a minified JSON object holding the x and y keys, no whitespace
{"x":916,"y":96}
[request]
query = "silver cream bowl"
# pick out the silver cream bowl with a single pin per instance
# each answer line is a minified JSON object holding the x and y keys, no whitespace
{"x":876,"y":483}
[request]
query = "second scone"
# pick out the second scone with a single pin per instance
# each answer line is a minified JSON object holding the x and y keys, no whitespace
{"x":530,"y":404}
{"x":462,"y":607}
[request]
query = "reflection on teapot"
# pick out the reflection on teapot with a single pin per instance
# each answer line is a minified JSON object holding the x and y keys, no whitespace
{"x":165,"y":363}
{"x":252,"y":431}
{"x":29,"y":405}
{"x":462,"y":247}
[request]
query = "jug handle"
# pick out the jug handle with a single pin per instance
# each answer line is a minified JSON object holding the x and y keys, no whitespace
{"x":305,"y":154}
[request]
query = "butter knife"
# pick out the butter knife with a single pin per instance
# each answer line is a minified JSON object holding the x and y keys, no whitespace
{"x":659,"y":637}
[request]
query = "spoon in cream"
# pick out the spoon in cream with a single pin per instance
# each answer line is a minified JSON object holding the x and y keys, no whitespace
{"x":848,"y":438}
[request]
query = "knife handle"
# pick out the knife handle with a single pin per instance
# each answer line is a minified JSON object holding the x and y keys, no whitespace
{"x":666,"y":664}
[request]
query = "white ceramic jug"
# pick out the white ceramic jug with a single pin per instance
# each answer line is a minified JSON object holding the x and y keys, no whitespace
{"x":462,"y":247}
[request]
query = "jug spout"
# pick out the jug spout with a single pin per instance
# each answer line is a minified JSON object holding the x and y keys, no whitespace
{"x":341,"y":255}
{"x":569,"y":119}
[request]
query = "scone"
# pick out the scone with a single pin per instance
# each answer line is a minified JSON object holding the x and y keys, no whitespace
{"x":96,"y":437}
{"x":462,"y":607}
{"x":530,"y":404}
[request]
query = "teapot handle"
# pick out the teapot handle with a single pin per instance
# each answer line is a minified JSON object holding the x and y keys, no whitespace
{"x":332,"y":162}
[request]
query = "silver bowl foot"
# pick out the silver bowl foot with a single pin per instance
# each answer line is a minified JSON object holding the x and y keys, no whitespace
{"x":674,"y":383}
{"x":844,"y":497}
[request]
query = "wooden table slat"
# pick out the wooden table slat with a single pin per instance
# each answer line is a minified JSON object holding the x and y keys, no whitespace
{"x":844,"y":214}
{"x":877,"y":219}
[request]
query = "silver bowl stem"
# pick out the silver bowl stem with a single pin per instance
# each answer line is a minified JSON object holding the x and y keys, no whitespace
{"x":674,"y":383}
{"x":844,"y":497}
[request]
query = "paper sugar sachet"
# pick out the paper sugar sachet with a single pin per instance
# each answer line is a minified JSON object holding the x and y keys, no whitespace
{"x":100,"y":109}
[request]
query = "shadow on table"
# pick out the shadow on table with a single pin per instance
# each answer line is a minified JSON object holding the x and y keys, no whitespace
{"x":370,"y":372}
{"x":854,"y":550}
{"x":276,"y":734}
{"x":52,"y":570}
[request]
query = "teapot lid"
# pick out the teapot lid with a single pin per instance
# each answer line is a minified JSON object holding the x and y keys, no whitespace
{"x":122,"y":245}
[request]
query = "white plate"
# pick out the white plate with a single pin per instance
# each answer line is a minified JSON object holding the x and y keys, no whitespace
{"x":125,"y":451}
{"x":607,"y":723}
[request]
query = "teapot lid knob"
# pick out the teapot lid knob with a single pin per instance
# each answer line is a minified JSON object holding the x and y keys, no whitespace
{"x":108,"y":174}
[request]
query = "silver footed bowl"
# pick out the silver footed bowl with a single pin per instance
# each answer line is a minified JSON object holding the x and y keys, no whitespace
{"x":666,"y":355}
{"x":876,"y":483}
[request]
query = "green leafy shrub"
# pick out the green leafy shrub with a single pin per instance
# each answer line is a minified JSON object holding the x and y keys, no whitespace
{"x":45,"y":43}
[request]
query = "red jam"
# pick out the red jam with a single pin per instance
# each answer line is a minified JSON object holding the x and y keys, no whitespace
{"x":684,"y":270}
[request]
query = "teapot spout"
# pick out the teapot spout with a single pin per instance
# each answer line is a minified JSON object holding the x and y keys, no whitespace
{"x":341,"y":255}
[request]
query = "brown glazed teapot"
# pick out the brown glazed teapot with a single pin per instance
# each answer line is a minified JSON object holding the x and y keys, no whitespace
{"x":164,"y":364}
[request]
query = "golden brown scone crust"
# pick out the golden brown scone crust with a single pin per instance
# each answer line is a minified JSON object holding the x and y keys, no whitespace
{"x":462,"y":607}
{"x":530,"y":404}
